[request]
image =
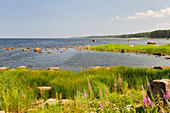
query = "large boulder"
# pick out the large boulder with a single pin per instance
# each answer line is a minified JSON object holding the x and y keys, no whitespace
{"x":161,"y":87}
{"x":37,"y":50}
{"x":44,"y":90}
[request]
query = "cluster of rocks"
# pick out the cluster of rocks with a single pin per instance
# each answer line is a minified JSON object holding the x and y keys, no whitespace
{"x":24,"y":67}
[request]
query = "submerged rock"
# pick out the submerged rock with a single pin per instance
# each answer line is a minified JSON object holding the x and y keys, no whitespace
{"x":25,"y":50}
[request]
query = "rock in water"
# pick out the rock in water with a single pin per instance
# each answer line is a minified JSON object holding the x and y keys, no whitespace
{"x":21,"y":67}
{"x":151,"y":43}
{"x":53,"y":68}
{"x":37,"y":49}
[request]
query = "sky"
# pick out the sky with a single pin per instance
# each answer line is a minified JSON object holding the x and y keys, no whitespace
{"x":77,"y":18}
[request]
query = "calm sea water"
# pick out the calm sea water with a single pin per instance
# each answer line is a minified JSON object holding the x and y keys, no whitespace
{"x":72,"y":59}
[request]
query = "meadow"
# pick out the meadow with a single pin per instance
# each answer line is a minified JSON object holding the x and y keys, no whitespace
{"x":93,"y":90}
{"x":150,"y":48}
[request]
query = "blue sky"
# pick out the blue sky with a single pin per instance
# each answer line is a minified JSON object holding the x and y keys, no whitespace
{"x":73,"y":18}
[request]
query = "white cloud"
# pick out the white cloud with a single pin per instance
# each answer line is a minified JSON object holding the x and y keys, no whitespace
{"x":163,"y":25}
{"x":131,"y":17}
{"x":112,"y":19}
{"x":117,"y":17}
{"x":148,"y":14}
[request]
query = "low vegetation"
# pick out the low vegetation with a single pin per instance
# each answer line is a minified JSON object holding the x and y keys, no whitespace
{"x":150,"y":48}
{"x":97,"y":90}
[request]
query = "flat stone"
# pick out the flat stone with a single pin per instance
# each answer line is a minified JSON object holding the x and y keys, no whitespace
{"x":53,"y":68}
{"x":51,"y":101}
{"x":21,"y":67}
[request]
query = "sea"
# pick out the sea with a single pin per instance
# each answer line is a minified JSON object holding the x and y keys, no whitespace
{"x":72,"y":59}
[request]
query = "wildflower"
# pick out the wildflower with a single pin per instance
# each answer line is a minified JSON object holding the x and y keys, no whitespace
{"x":108,"y":102}
{"x":107,"y":90}
{"x":150,"y":102}
{"x":79,"y":103}
{"x":23,"y":95}
{"x":101,"y":106}
{"x":145,"y":101}
{"x":131,"y":95}
{"x":120,"y":80}
{"x":148,"y":85}
{"x":168,"y":95}
{"x":89,"y":85}
{"x":100,"y":92}
{"x":85,"y":95}
{"x":115,"y":85}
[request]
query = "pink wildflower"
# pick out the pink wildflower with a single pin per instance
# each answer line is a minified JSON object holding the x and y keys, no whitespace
{"x":131,"y":95}
{"x":79,"y":103}
{"x":149,"y":86}
{"x":100,"y":92}
{"x":85,"y":95}
{"x":145,"y":101}
{"x":101,"y":106}
{"x":107,"y":90}
{"x":108,"y":102}
{"x":168,"y":95}
{"x":89,"y":86}
{"x":115,"y":85}
{"x":120,"y":80}
{"x":150,"y":102}
{"x":23,"y":95}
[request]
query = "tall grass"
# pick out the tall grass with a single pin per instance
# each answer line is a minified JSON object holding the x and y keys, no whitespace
{"x":18,"y":88}
{"x":165,"y":49}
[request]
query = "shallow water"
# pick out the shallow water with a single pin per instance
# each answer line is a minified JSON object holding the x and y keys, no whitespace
{"x":72,"y":59}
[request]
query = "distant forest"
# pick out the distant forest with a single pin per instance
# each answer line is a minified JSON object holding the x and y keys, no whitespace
{"x":153,"y":34}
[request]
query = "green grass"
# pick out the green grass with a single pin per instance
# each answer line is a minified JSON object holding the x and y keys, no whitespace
{"x":165,"y":49}
{"x":72,"y":85}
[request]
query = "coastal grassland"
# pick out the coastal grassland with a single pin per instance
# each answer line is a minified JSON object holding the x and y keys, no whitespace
{"x":18,"y":88}
{"x":164,"y":49}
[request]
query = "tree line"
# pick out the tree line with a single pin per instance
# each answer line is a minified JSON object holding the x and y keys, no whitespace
{"x":153,"y":34}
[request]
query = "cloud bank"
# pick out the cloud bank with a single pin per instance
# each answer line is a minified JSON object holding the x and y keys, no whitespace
{"x":148,"y":14}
